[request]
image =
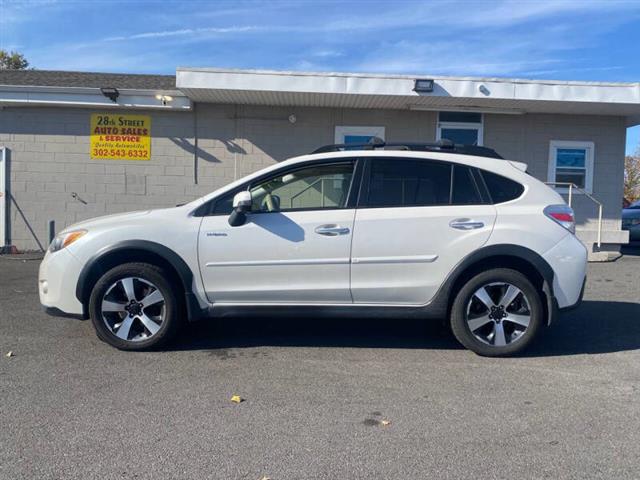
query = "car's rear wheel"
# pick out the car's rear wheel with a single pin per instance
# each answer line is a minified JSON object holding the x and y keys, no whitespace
{"x":496,"y":313}
{"x":133,"y":307}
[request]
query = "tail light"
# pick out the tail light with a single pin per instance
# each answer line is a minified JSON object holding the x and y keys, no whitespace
{"x":563,"y":215}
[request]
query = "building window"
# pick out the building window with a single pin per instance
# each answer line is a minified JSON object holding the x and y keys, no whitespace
{"x":357,"y":134}
{"x":571,"y":162}
{"x":465,"y":128}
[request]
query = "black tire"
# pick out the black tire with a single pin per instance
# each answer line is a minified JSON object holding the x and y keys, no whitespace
{"x":172,"y":309}
{"x":458,"y":317}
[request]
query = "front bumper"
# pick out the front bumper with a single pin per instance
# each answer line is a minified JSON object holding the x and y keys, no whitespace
{"x":57,"y":280}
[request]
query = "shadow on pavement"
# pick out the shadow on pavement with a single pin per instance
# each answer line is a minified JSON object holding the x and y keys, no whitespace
{"x":595,"y":327}
{"x":314,"y":332}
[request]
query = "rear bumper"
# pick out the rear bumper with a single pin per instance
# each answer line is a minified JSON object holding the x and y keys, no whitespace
{"x":552,"y":304}
{"x":568,"y":259}
{"x":578,"y":302}
{"x":634,"y":233}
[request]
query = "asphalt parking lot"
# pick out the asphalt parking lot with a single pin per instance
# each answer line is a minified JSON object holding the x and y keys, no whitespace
{"x":317,"y":393}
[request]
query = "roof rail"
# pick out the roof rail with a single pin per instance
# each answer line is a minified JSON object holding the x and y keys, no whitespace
{"x":445,"y":146}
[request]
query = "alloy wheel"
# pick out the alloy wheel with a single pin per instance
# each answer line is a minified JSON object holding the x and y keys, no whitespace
{"x":498,"y":314}
{"x":133,"y":309}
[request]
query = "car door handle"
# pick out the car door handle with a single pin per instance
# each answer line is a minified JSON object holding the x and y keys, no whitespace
{"x":465,"y":224}
{"x":331,"y":230}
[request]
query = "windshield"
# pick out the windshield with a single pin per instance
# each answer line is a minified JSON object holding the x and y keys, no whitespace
{"x":635,"y":205}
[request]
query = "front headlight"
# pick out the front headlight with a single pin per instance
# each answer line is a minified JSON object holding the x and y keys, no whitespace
{"x":65,"y":239}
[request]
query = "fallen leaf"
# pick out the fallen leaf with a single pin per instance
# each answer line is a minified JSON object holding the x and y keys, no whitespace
{"x":237,"y":399}
{"x":10,"y":354}
{"x":385,"y":422}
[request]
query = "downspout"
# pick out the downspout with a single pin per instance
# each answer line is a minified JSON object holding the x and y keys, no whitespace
{"x":4,"y":195}
{"x":195,"y":143}
{"x":235,"y":150}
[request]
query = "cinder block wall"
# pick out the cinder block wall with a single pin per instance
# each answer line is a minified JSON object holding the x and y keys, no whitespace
{"x":49,"y":161}
{"x":526,"y":138}
{"x":194,"y":153}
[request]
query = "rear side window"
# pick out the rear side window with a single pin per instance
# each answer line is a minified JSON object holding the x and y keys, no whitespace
{"x":464,"y":190}
{"x":398,"y":182}
{"x":500,"y":188}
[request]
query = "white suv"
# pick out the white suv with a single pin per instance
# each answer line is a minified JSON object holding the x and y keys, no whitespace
{"x":430,"y":230}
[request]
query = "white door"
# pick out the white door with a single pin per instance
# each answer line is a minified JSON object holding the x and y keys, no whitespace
{"x":294,"y":247}
{"x":416,"y":223}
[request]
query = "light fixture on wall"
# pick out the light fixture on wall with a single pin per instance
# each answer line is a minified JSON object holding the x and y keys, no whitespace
{"x":164,"y":98}
{"x":111,"y":93}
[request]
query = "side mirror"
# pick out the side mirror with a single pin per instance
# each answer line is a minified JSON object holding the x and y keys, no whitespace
{"x":241,"y":205}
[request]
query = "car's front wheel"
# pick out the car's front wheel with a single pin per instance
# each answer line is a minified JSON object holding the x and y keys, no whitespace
{"x":497,"y":312}
{"x":133,"y":307}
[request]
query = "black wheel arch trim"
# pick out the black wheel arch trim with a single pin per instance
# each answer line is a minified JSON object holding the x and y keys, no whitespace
{"x":439,"y":305}
{"x":83,"y":289}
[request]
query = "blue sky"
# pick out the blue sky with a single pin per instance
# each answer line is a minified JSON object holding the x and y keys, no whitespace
{"x":595,"y":40}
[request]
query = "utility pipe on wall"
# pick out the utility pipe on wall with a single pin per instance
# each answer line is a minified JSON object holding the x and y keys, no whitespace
{"x":195,"y":144}
{"x":4,"y":197}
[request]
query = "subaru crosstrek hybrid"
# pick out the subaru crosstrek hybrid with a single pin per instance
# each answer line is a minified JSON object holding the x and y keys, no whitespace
{"x":430,"y":230}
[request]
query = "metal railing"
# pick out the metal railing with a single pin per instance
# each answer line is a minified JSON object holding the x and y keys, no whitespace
{"x":322,"y":188}
{"x":308,"y":187}
{"x":572,"y":187}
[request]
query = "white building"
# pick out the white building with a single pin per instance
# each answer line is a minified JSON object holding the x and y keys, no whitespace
{"x":210,"y":126}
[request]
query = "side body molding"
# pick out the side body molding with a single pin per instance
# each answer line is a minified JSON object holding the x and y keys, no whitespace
{"x":93,"y":269}
{"x":437,"y":308}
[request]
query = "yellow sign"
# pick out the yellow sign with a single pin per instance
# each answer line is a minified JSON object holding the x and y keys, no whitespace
{"x":120,"y":137}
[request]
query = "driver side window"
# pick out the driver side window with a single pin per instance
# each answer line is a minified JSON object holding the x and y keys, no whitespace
{"x":311,"y":188}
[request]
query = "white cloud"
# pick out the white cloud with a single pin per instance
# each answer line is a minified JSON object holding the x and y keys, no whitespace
{"x":449,"y":14}
{"x":85,"y":59}
{"x":447,"y":37}
{"x":443,"y":16}
{"x":183,"y":32}
{"x":478,"y":55}
{"x":327,"y":53}
{"x":570,"y":70}
{"x":542,"y":48}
